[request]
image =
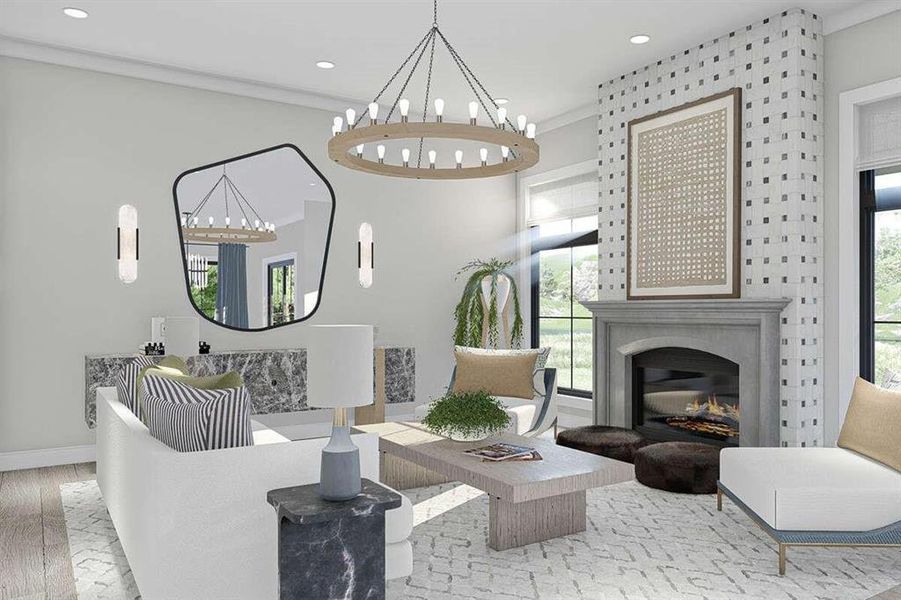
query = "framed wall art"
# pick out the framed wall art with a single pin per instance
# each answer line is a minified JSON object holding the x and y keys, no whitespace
{"x":684,"y":201}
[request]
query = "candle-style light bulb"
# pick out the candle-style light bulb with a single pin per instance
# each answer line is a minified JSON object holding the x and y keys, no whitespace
{"x":381,"y":152}
{"x":483,"y":154}
{"x":404,"y":105}
{"x":211,"y":221}
{"x":432,"y":156}
{"x":335,"y":130}
{"x":505,"y":153}
{"x":195,"y":221}
{"x":256,"y":224}
{"x":184,"y":221}
{"x":405,"y":153}
{"x":521,"y":123}
{"x":502,"y":117}
{"x":458,"y":155}
{"x":351,"y":115}
{"x":439,"y":109}
{"x":243,"y":223}
{"x":473,"y":112}
{"x":373,"y":112}
{"x":228,"y":221}
{"x":530,"y":131}
{"x":339,"y":123}
{"x":360,"y":151}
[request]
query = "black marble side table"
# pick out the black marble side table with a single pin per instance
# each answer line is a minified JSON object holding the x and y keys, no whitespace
{"x":328,"y":549}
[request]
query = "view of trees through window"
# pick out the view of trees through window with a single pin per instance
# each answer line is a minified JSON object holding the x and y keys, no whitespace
{"x":205,"y":297}
{"x":566,"y":273}
{"x":887,"y":284}
{"x":281,"y":292}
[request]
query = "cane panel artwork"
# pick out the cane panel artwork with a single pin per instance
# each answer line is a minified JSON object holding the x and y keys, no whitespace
{"x":681,"y":203}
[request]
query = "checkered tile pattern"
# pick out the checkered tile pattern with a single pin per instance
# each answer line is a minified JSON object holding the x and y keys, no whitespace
{"x":778,"y":64}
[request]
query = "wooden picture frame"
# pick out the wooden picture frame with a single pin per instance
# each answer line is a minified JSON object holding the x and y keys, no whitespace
{"x":683,"y":201}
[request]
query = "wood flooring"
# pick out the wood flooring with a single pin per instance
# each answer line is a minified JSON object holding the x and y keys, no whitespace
{"x":34,"y":548}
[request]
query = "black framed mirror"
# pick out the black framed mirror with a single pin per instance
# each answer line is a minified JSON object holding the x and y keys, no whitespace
{"x":254,"y":233}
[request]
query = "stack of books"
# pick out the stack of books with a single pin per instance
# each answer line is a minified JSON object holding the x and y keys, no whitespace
{"x":501,"y":452}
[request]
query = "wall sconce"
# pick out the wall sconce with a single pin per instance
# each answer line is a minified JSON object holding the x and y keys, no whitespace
{"x":365,"y":252}
{"x":127,"y":243}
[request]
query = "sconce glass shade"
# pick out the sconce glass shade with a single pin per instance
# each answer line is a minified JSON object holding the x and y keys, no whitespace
{"x":365,"y":249}
{"x":128,"y":243}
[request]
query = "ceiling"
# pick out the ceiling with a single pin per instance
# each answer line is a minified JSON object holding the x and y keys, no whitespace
{"x":547,"y":56}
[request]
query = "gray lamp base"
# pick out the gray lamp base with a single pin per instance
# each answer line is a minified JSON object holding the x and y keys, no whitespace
{"x":339,"y":476}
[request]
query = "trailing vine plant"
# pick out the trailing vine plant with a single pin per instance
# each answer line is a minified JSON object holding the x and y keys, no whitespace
{"x":470,"y":311}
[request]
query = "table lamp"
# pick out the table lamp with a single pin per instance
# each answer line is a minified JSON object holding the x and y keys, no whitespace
{"x":339,"y":375}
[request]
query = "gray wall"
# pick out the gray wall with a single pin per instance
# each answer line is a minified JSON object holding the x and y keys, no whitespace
{"x":77,"y":144}
{"x":567,"y":145}
{"x":855,"y":57}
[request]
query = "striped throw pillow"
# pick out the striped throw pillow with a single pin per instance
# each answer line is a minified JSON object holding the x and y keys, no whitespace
{"x":189,"y":419}
{"x":127,"y":382}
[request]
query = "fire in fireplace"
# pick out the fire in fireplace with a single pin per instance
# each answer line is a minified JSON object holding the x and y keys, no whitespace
{"x":680,"y":394}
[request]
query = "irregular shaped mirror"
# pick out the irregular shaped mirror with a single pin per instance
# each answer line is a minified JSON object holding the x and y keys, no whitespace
{"x":254,"y":233}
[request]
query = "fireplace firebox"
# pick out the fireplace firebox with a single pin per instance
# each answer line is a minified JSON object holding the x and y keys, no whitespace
{"x":682,"y":394}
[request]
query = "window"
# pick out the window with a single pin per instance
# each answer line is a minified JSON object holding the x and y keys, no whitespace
{"x":280,"y":292}
{"x":880,"y":306}
{"x":563,"y":228}
{"x":204,"y":277}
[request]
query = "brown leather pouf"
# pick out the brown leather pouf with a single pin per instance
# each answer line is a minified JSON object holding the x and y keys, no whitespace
{"x":683,"y":467}
{"x":613,"y":442}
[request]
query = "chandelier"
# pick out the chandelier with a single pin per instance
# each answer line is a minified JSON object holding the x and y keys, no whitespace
{"x":253,"y":228}
{"x":514,"y":145}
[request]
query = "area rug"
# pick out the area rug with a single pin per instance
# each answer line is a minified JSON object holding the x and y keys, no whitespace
{"x":641,"y":544}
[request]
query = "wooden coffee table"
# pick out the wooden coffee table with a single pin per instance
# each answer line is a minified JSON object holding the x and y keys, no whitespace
{"x":529,"y":501}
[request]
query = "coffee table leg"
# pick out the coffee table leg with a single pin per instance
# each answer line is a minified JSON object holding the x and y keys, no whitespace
{"x":516,"y":524}
{"x":402,"y":474}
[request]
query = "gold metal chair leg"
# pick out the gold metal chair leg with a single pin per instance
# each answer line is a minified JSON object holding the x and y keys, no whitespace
{"x":719,"y":499}
{"x":782,"y":548}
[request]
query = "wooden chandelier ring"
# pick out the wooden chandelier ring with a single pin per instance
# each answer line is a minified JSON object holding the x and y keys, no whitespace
{"x":342,"y":149}
{"x":226,"y":235}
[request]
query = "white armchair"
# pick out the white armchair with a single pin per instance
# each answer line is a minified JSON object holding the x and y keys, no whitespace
{"x":197,"y":525}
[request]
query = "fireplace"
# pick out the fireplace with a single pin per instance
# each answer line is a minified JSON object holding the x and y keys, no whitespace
{"x":683,"y":394}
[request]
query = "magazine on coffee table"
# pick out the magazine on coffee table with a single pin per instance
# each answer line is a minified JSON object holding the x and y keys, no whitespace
{"x":500,"y":451}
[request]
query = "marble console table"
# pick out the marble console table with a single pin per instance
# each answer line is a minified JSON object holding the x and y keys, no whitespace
{"x":275,"y":379}
{"x":332,"y":549}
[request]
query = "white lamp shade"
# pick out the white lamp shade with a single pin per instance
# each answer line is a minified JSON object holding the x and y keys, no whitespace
{"x":340,"y":366}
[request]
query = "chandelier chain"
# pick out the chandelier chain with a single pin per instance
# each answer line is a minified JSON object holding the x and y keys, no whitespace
{"x":457,"y":61}
{"x":407,"y":81}
{"x":454,"y":52}
{"x":428,"y":87}
{"x":435,"y":13}
{"x":246,"y":201}
{"x":399,"y":69}
{"x":203,"y":202}
{"x":249,"y":205}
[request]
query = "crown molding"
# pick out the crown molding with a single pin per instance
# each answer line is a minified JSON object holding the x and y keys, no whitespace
{"x":864,"y":11}
{"x":571,"y":116}
{"x":129,"y":67}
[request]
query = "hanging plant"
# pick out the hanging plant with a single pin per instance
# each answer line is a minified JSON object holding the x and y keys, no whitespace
{"x":485,"y":298}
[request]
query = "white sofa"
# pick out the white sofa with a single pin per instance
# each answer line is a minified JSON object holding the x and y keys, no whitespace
{"x":814,"y":496}
{"x":196,"y":525}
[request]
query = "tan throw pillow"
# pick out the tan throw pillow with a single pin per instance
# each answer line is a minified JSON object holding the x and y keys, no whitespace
{"x":497,"y":375}
{"x":872,"y":424}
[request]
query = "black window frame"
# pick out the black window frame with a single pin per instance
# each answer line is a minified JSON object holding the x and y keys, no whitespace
{"x":556,"y":242}
{"x":871,"y":202}
{"x":278,"y":264}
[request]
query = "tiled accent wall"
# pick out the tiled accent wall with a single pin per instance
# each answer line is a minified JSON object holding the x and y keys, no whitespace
{"x":778,"y":63}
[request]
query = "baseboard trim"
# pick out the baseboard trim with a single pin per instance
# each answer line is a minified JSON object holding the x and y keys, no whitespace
{"x":47,"y":457}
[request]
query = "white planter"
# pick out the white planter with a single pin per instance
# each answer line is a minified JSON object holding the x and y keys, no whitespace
{"x":477,"y":436}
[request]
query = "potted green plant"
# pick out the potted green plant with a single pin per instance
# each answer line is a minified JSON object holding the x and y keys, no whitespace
{"x":466,"y":416}
{"x":484,"y":305}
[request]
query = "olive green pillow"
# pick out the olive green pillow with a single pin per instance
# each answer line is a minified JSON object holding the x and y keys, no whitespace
{"x":872,"y":424}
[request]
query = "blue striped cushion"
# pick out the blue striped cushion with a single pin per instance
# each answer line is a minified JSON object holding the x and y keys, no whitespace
{"x":127,"y":382}
{"x":189,"y":419}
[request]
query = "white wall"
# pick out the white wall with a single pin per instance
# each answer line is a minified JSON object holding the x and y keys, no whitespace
{"x":77,"y":144}
{"x":861,"y":55}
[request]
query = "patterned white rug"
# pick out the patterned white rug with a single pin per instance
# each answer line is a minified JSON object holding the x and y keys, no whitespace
{"x":640,"y":544}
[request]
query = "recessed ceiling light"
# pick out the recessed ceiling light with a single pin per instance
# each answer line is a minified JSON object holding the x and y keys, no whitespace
{"x":500,"y":101}
{"x":312,"y":183}
{"x":325,"y":64}
{"x":75,"y":13}
{"x":640,"y":39}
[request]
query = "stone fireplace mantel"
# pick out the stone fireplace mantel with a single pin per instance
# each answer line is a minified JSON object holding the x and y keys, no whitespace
{"x":744,"y":331}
